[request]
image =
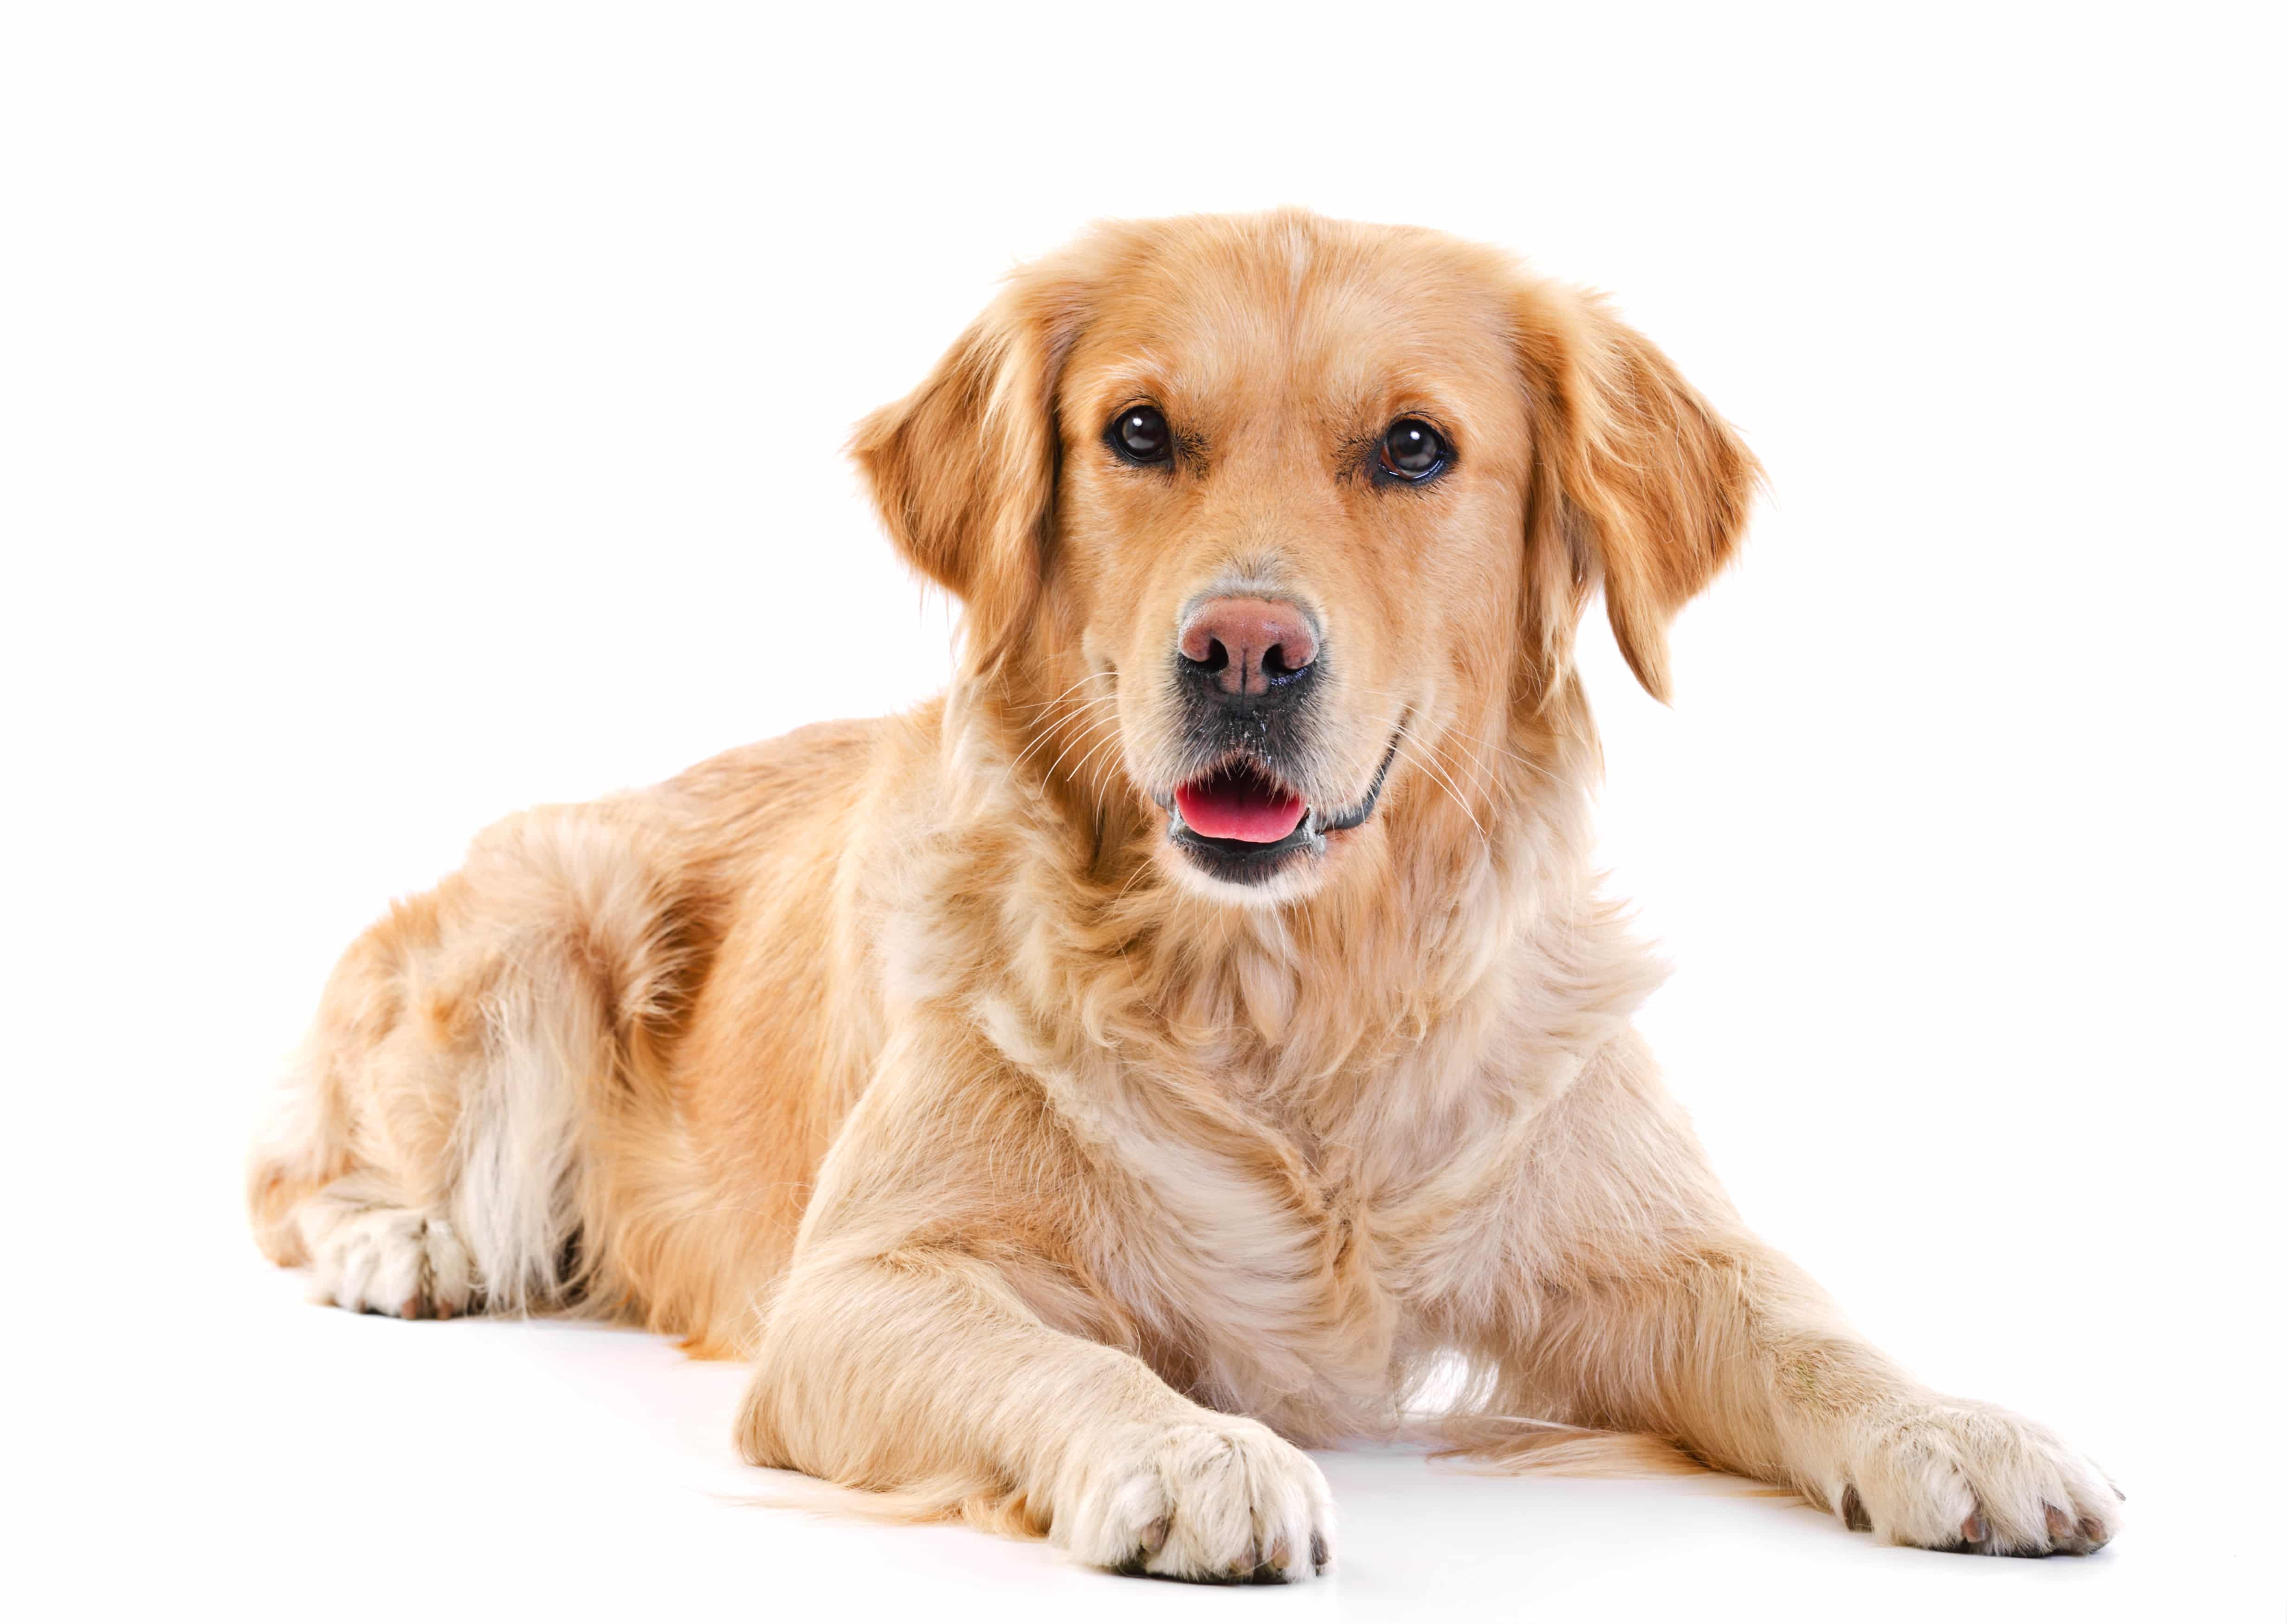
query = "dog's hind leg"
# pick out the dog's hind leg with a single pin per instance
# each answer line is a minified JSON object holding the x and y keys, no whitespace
{"x":429,"y":1153}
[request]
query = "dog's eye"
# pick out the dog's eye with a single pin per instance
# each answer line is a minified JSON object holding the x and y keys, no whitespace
{"x":1414,"y":452}
{"x":1140,"y":434}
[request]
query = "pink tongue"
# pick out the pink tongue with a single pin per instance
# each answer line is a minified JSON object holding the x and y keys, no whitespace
{"x":1239,"y":808}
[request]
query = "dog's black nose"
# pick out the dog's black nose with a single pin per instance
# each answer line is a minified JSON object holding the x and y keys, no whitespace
{"x":1244,"y":650}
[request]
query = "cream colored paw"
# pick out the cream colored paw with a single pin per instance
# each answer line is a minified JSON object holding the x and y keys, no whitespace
{"x":388,"y":1261}
{"x":1952,"y":1475}
{"x":1224,"y":1501}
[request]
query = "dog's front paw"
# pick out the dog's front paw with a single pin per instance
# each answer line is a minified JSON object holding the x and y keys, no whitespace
{"x":388,"y":1261}
{"x":1952,"y":1475}
{"x":1224,"y":1501}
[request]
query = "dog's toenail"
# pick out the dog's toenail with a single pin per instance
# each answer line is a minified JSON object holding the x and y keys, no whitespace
{"x":1972,"y":1528}
{"x":1318,"y":1552}
{"x":1155,"y":1535}
{"x":2092,"y":1531}
{"x":1853,"y":1511}
{"x":2060,"y":1524}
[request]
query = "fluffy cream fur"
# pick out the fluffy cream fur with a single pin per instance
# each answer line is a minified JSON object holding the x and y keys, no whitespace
{"x":1045,"y":1178}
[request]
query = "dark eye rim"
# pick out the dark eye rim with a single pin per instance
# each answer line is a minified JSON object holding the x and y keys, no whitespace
{"x":1379,"y":465}
{"x":1119,"y":447}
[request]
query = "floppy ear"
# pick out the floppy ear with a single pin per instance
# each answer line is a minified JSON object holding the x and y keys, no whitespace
{"x":1644,"y":488}
{"x":963,"y":470}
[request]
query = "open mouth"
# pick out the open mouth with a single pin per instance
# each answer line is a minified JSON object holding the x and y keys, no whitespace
{"x":1241,"y":822}
{"x":1240,"y":801}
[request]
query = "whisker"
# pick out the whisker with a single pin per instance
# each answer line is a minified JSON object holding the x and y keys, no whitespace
{"x":1103,"y":773}
{"x":1043,"y":705}
{"x":1132,"y":878}
{"x":1405,"y":735}
{"x":1068,"y":749}
{"x":1529,"y":765}
{"x":1485,"y":774}
{"x":1081,"y":766}
{"x":1048,"y":731}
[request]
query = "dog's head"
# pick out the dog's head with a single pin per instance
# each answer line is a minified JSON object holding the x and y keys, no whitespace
{"x":1256,"y":519}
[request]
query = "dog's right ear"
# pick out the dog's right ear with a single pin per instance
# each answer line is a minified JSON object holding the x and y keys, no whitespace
{"x":963,"y":470}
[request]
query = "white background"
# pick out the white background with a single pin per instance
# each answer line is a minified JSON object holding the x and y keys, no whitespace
{"x":410,"y":412}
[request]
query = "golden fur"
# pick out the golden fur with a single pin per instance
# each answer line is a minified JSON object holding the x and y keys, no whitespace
{"x":1043,"y":1176}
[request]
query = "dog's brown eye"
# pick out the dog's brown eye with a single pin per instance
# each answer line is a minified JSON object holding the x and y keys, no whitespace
{"x":1140,"y":434}
{"x":1413,"y":451}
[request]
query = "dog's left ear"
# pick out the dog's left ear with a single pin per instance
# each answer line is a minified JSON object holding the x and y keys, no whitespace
{"x":963,"y":470}
{"x":1640,"y":487}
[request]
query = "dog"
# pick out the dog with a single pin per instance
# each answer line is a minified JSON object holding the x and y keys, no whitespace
{"x":1162,"y":1052}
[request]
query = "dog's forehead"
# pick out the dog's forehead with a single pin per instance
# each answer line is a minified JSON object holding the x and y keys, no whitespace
{"x":1334,"y":326}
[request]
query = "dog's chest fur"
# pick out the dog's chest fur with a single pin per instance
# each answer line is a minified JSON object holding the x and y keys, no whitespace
{"x":1307,"y":1228}
{"x":1296,"y":1121}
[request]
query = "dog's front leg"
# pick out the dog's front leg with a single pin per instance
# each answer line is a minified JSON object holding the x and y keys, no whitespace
{"x":938,"y":1336}
{"x":1653,"y":1311}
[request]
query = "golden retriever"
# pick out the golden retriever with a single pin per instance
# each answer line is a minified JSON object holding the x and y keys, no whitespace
{"x":1153,"y":1057}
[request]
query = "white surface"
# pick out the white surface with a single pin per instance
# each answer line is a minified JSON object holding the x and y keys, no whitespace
{"x":361,"y":1467}
{"x":413,"y":413}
